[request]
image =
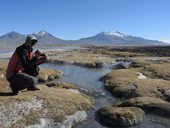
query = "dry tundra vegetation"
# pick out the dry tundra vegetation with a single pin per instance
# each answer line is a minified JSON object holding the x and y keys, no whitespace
{"x":138,"y":94}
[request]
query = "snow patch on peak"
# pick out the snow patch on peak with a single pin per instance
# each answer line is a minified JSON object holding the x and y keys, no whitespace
{"x":40,"y":33}
{"x":115,"y":33}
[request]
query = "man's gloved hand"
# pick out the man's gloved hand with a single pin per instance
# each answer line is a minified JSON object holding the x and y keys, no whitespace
{"x":38,"y":54}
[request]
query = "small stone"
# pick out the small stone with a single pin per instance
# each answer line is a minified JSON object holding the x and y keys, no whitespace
{"x":167,"y":94}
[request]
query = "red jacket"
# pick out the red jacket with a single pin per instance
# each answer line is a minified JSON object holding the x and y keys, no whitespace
{"x":15,"y":64}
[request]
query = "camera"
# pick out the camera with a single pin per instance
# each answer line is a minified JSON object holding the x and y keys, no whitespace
{"x":39,"y":53}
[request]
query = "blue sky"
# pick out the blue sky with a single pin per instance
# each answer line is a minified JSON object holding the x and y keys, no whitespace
{"x":74,"y":19}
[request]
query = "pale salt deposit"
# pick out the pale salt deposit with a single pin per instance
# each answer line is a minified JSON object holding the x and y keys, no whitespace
{"x":68,"y":123}
{"x":85,"y":90}
{"x":44,"y":123}
{"x":114,"y":61}
{"x":74,"y":91}
{"x":141,"y":76}
{"x":167,"y":93}
{"x":14,"y":112}
{"x":73,"y":119}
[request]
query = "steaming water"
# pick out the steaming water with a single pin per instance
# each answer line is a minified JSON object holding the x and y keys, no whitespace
{"x":88,"y":80}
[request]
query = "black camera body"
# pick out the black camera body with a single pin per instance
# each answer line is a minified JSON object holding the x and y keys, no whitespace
{"x":39,"y":53}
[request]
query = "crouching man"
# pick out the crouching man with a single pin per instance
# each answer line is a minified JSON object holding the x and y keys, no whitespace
{"x":22,"y":70}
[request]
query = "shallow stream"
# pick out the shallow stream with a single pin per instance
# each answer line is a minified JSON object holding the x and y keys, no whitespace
{"x":88,"y":80}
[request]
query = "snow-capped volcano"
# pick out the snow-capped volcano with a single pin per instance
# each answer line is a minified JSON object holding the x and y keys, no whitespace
{"x":46,"y":38}
{"x":117,"y":38}
{"x":115,"y":33}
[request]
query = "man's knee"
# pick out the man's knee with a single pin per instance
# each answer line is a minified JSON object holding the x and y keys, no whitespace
{"x":27,"y":79}
{"x":33,"y":82}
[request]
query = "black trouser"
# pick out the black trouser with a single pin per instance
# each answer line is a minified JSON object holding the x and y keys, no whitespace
{"x":22,"y":81}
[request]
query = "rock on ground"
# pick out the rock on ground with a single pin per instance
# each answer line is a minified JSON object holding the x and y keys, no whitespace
{"x":149,"y":104}
{"x":49,"y":74}
{"x":121,"y":116}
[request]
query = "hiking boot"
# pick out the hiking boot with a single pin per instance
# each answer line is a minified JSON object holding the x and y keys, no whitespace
{"x":14,"y":90}
{"x":32,"y":88}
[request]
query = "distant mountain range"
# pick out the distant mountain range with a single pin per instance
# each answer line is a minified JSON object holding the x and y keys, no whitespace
{"x":12,"y":39}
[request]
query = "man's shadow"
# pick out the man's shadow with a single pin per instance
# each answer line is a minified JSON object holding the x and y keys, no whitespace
{"x":6,"y":94}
